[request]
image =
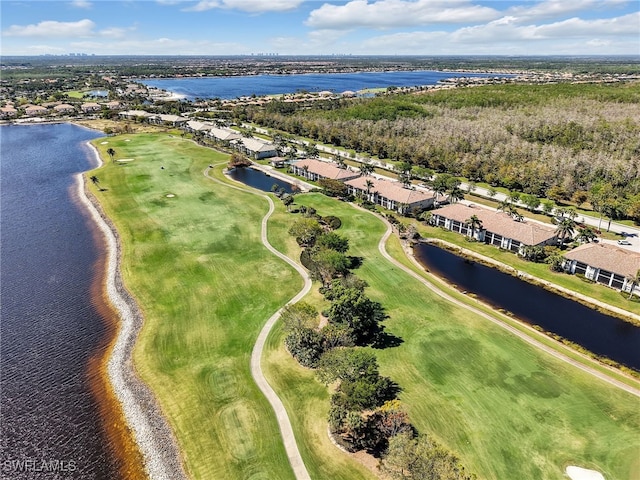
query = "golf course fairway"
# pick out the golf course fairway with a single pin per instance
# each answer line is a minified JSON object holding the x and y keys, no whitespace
{"x":193,"y":260}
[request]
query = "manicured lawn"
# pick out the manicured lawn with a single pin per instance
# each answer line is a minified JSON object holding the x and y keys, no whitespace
{"x":206,"y":285}
{"x":509,"y":410}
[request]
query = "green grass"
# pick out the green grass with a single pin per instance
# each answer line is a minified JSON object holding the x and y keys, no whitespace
{"x":507,"y":409}
{"x":206,"y":285}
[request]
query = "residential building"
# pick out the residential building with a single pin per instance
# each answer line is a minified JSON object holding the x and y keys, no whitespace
{"x":133,"y":114}
{"x":196,"y":126}
{"x":497,"y":228}
{"x":64,"y":108}
{"x":606,"y":264}
{"x":166,"y":119}
{"x":390,"y":194}
{"x":90,"y":107}
{"x":35,"y":110}
{"x":256,"y":148}
{"x":224,"y":134}
{"x":8,"y":111}
{"x":314,"y":170}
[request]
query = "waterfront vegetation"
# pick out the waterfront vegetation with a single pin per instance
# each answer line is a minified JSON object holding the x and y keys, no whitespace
{"x":191,"y":262}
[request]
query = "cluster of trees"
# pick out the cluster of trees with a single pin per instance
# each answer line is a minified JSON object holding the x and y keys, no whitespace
{"x":365,"y":412}
{"x":531,"y":139}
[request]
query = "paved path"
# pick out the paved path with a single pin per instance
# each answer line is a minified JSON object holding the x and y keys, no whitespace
{"x":288,"y":438}
{"x":527,"y":338}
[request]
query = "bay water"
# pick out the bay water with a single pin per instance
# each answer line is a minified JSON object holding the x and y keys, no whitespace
{"x":50,"y":326}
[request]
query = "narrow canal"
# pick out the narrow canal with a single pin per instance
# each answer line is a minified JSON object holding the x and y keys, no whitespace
{"x":599,"y":333}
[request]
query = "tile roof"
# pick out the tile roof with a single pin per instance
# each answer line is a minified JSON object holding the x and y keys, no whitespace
{"x":607,"y":257}
{"x":526,"y":232}
{"x":391,"y":190}
{"x":326,"y":169}
{"x":224,"y":133}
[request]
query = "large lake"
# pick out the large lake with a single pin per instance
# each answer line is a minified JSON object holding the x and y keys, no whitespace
{"x":234,"y":87}
{"x":50,"y":326}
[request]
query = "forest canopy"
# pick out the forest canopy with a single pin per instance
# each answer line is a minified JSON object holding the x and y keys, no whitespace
{"x":550,"y":140}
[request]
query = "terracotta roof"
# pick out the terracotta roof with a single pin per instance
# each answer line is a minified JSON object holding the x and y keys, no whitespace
{"x":607,"y":257}
{"x":326,"y":169}
{"x":526,"y":232}
{"x":391,"y":190}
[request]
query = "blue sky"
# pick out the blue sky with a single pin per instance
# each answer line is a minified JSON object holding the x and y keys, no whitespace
{"x":299,"y":27}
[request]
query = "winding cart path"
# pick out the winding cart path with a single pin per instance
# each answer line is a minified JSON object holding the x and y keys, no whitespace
{"x":288,"y":438}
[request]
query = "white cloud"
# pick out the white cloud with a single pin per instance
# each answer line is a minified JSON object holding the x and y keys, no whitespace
{"x":249,"y":6}
{"x":398,"y":13}
{"x":81,"y":4}
{"x":52,"y":28}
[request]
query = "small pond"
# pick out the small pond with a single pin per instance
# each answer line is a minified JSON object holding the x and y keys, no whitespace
{"x":599,"y":333}
{"x":258,"y":179}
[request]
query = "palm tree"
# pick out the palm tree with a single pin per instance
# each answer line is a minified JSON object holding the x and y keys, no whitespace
{"x":473,"y":222}
{"x":565,"y":228}
{"x":111,"y":152}
{"x":95,"y":180}
{"x":635,"y":280}
{"x":455,"y":194}
{"x":339,"y":161}
{"x":369,"y":185}
{"x":586,"y":234}
{"x":366,"y":169}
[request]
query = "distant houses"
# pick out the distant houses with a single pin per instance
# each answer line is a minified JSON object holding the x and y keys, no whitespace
{"x":606,"y":264}
{"x":495,"y":228}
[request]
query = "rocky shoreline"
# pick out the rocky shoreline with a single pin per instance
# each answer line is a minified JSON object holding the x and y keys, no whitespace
{"x":142,"y":414}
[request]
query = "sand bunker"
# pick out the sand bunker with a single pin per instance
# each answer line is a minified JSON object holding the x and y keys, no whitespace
{"x":578,"y":473}
{"x":127,"y":140}
{"x":103,"y":143}
{"x":170,"y":195}
{"x":126,"y":160}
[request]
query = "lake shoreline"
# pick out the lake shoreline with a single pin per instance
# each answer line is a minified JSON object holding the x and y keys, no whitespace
{"x":143,"y":419}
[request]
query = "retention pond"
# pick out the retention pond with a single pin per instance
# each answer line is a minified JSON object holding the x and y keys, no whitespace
{"x":258,"y":179}
{"x":601,"y":334}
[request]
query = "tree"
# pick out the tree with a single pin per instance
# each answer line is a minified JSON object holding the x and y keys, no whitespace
{"x":311,"y":150}
{"x":333,"y":241}
{"x":455,"y":194}
{"x":305,"y":345}
{"x":305,"y":230}
{"x":368,"y":185}
{"x":366,"y":169}
{"x":347,"y":364}
{"x":353,"y":308}
{"x":565,"y":228}
{"x":530,"y":201}
{"x":547,"y":206}
{"x":473,"y":223}
{"x":111,"y":152}
{"x":95,"y":180}
{"x":586,"y":234}
{"x":287,"y":200}
{"x":514,"y":197}
{"x":333,"y":188}
{"x":329,"y":263}
{"x":299,"y":315}
{"x":635,"y":280}
{"x":491,"y":192}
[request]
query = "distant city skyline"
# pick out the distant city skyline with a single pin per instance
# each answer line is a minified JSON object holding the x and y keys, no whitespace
{"x":299,"y":27}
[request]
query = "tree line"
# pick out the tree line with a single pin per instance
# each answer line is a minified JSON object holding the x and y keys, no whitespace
{"x":365,"y":413}
{"x":564,"y":142}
